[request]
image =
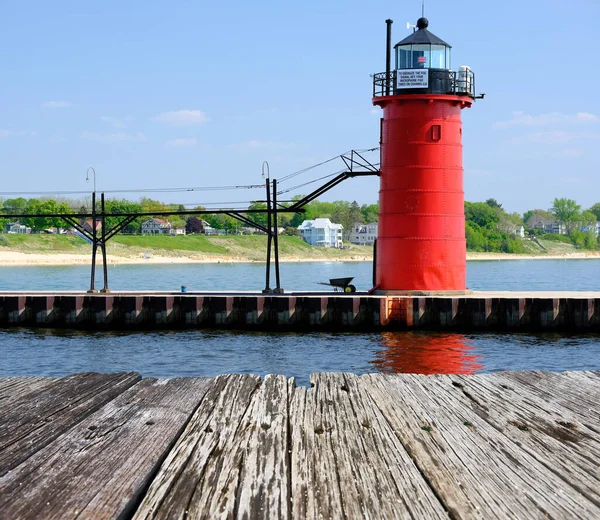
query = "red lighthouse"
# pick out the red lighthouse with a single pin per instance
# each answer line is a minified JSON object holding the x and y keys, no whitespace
{"x":421,"y":244}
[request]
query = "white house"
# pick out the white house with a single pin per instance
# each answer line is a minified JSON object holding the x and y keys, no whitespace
{"x":364,"y":234}
{"x":321,"y":232}
{"x":179,"y":230}
{"x":519,"y":231}
{"x":156,"y":226}
{"x":18,"y":228}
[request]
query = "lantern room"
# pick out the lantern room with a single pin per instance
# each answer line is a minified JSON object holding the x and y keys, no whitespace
{"x":423,"y":66}
{"x":422,"y":50}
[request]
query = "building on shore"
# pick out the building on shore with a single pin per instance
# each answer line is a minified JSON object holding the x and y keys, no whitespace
{"x":364,"y":234}
{"x":321,"y":232}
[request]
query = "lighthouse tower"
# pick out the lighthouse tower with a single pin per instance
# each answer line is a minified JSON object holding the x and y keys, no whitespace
{"x":421,"y":243}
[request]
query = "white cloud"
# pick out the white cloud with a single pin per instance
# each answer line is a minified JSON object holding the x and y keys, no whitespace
{"x":376,"y":111}
{"x":117,"y":122}
{"x":257,"y":144}
{"x":181,"y":142}
{"x":182,"y":117}
{"x":113,"y":138}
{"x":57,"y":104}
{"x":552,"y":118}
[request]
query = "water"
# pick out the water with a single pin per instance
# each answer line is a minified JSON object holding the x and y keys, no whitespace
{"x":508,"y":275}
{"x":202,"y":353}
{"x":46,"y":352}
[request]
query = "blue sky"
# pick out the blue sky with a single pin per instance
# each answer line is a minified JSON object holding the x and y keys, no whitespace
{"x":181,"y":94}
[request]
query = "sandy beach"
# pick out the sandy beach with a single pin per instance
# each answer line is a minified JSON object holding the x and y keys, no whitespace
{"x":16,"y":258}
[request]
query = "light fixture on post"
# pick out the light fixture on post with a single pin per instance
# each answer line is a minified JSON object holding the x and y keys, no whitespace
{"x":87,"y":176}
{"x":265,"y":166}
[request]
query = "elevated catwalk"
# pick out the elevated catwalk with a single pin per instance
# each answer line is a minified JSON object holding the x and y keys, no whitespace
{"x":301,"y":311}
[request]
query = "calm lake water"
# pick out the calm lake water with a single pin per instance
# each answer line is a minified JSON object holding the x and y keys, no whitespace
{"x":508,"y":275}
{"x":208,"y":353}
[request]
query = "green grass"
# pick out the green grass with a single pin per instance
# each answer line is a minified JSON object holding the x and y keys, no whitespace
{"x":242,"y":247}
{"x":44,"y":243}
{"x":190,"y":243}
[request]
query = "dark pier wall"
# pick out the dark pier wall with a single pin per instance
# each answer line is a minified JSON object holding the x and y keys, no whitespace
{"x":301,"y":312}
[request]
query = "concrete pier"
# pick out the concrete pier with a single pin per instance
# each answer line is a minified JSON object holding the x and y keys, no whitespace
{"x":568,"y":311}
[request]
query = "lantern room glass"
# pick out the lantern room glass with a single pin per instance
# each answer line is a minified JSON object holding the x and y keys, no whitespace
{"x":422,"y":56}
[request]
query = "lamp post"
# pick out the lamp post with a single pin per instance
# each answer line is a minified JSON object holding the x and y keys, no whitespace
{"x":95,"y":241}
{"x":272,"y":238}
{"x":94,"y":230}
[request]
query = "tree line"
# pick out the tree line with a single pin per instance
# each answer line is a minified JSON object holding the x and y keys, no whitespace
{"x":488,"y":226}
{"x":342,"y":212}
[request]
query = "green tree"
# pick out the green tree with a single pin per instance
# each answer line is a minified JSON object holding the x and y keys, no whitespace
{"x":493,"y":203}
{"x":595,"y":209}
{"x":475,"y":238}
{"x":588,"y":218}
{"x":590,"y":241}
{"x":259,"y":218}
{"x":370,"y":212}
{"x":220,"y":221}
{"x":566,"y":212}
{"x":120,"y":207}
{"x":481,"y":214}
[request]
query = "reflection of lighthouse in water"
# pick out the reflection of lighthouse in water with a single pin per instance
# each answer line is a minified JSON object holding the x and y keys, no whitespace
{"x":423,"y":353}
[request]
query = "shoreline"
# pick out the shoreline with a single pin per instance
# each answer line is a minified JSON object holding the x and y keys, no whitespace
{"x":20,"y":259}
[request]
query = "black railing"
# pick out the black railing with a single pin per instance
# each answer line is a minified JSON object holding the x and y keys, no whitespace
{"x":461,"y":83}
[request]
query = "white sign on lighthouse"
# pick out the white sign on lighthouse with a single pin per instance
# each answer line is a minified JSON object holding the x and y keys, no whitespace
{"x":412,"y":78}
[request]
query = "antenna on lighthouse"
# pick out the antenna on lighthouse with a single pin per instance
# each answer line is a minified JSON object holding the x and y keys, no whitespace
{"x":423,"y":9}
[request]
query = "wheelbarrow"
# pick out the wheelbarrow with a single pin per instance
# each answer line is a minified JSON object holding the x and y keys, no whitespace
{"x":342,"y":284}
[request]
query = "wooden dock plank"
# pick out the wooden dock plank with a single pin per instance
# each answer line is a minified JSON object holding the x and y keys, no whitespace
{"x":100,"y":467}
{"x":347,"y":461}
{"x":263,"y":487}
{"x":201,"y":475}
{"x":561,"y":390}
{"x":553,"y":435}
{"x":476,"y":470}
{"x":34,"y":422}
{"x":15,"y":388}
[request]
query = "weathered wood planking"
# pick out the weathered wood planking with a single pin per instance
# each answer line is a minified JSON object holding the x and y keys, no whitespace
{"x":101,"y":467}
{"x":347,"y":461}
{"x":374,"y":446}
{"x":561,"y":390}
{"x":550,"y":433}
{"x":476,"y":470}
{"x":201,"y":476}
{"x":15,"y":388}
{"x":41,"y":416}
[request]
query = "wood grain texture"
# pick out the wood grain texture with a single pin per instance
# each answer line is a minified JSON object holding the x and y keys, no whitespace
{"x":550,"y":433}
{"x":561,"y":389}
{"x":346,"y":460}
{"x":14,"y":388}
{"x":506,"y":445}
{"x":32,"y":423}
{"x":476,"y":470}
{"x":200,"y":477}
{"x":99,"y":469}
